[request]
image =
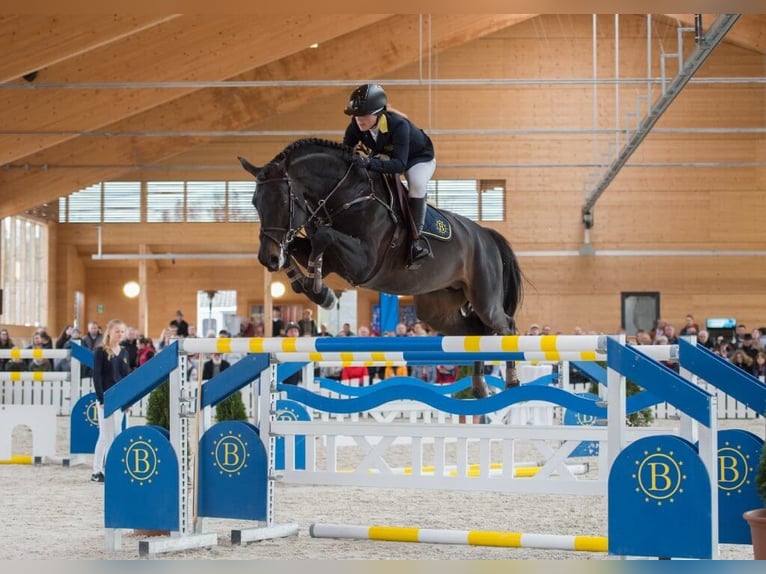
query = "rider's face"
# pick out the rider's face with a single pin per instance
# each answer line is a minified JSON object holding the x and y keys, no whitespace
{"x":366,"y":122}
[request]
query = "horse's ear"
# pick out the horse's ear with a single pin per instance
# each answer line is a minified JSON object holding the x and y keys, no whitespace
{"x":249,"y":167}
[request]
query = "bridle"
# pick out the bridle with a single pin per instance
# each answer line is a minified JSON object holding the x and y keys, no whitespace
{"x":321,"y":214}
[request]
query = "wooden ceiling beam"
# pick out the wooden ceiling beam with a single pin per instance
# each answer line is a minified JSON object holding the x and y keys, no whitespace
{"x":373,"y":51}
{"x":33,"y":43}
{"x":190,"y":48}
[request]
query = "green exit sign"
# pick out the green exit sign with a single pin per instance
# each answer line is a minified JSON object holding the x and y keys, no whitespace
{"x":100,"y":308}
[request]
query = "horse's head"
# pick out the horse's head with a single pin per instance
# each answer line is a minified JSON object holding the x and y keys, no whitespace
{"x":275,"y":206}
{"x":294,"y":190}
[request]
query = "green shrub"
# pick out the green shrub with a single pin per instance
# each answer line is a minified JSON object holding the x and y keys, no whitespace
{"x":158,"y":408}
{"x":760,"y":478}
{"x":232,"y":408}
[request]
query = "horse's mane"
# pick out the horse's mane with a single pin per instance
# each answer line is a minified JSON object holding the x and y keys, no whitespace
{"x":345,"y":151}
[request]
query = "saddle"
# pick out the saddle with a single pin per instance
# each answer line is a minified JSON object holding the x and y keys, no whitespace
{"x":436,"y":226}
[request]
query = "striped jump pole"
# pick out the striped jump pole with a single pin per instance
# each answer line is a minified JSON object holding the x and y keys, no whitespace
{"x":506,"y":347}
{"x":433,"y":357}
{"x":465,"y":537}
{"x":15,"y":376}
{"x":17,"y":354}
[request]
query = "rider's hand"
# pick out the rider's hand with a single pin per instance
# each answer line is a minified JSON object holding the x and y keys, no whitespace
{"x":361,"y":161}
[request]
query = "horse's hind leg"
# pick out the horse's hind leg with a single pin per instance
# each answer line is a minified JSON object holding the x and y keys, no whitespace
{"x":443,"y":311}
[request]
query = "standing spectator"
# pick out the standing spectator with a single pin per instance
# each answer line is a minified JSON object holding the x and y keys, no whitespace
{"x":91,"y":340}
{"x":277,"y":326}
{"x":307,"y":324}
{"x":75,"y":338}
{"x":182,"y":327}
{"x":689,"y":323}
{"x":64,"y":337}
{"x":110,"y":365}
{"x":130,"y":344}
{"x":168,"y":334}
{"x":213,"y":366}
{"x":246,"y":328}
{"x":739,"y":335}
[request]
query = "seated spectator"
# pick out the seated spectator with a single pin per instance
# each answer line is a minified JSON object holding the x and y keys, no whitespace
{"x":759,"y":365}
{"x":146,"y":350}
{"x":723,"y":348}
{"x":703,"y":338}
{"x":40,"y":365}
{"x":15,"y":364}
{"x":293,"y":330}
{"x":446,"y":374}
{"x":742,"y":360}
{"x":670,"y":334}
{"x":748,"y":345}
{"x":643,"y":337}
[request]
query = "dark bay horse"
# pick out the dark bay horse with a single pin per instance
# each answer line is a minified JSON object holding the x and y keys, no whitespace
{"x":322,"y":213}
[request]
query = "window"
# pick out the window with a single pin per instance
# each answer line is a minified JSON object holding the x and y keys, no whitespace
{"x":241,"y":201}
{"x":478,"y":200}
{"x":164,"y":201}
{"x":122,"y":202}
{"x":222,"y":201}
{"x":640,"y":310}
{"x":24,"y":271}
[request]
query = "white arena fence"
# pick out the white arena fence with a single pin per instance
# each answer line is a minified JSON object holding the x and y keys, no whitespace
{"x":55,"y":389}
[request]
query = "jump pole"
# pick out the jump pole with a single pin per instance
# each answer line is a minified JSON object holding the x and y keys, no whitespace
{"x":465,"y":537}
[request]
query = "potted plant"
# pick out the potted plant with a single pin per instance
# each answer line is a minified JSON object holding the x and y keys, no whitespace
{"x":757,"y":518}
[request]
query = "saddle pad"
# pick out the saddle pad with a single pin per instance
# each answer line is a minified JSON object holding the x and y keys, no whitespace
{"x":437,"y":225}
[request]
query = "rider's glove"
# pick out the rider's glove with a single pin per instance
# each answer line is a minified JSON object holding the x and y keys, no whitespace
{"x":361,"y":161}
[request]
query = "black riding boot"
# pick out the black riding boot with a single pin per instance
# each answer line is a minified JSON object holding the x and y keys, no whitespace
{"x":420,"y":249}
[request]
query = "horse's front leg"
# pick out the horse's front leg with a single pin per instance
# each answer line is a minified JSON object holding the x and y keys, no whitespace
{"x":299,"y":254}
{"x":336,"y":252}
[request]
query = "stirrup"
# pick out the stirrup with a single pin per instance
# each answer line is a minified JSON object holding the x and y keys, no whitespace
{"x":418,"y":254}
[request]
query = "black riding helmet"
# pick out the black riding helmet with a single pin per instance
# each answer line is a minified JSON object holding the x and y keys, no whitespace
{"x":366,"y":99}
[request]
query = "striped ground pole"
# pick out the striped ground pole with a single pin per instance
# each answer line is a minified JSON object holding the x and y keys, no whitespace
{"x":465,"y":537}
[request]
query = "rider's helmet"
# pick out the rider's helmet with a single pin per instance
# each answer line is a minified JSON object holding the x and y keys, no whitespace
{"x":366,"y":99}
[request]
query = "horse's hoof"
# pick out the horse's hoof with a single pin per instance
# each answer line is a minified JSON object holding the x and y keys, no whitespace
{"x":480,"y":392}
{"x":512,"y":384}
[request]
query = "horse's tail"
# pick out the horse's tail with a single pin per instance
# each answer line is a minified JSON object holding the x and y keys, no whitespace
{"x":513,"y":280}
